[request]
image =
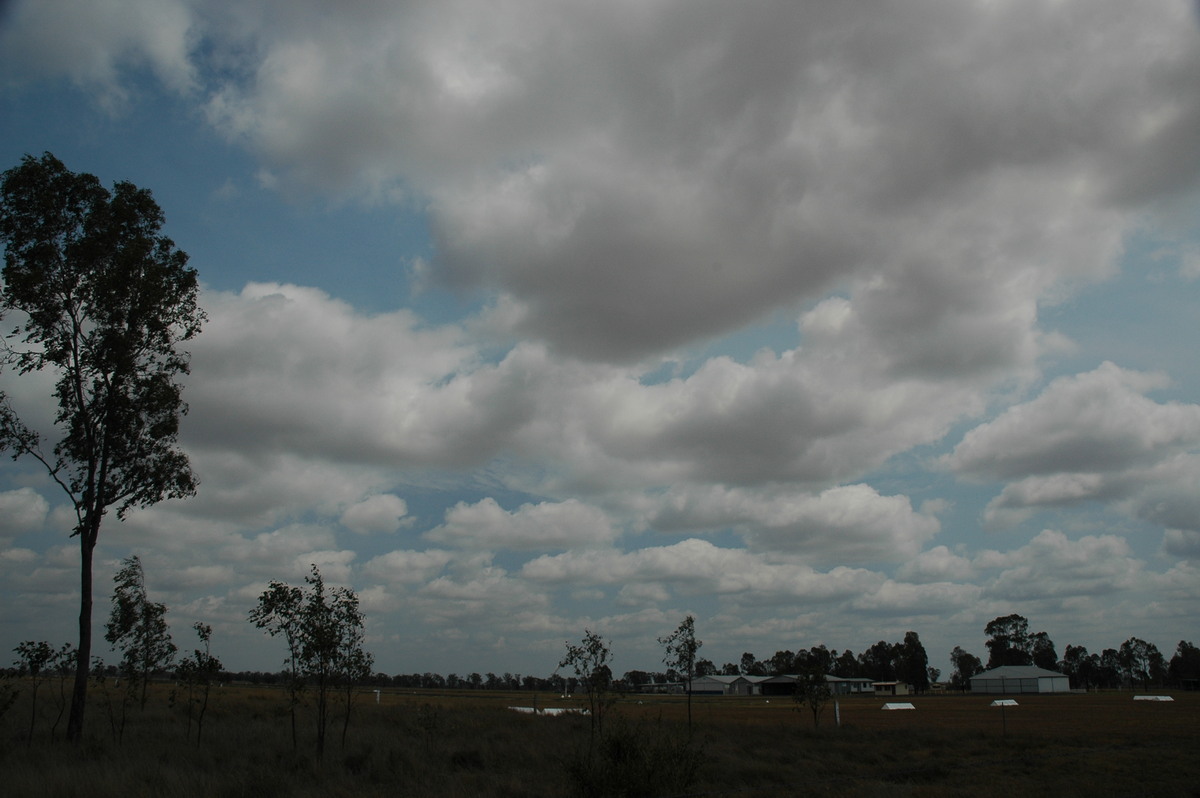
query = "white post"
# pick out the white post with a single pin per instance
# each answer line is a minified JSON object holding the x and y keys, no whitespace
{"x":376,"y":696}
{"x":837,"y":714}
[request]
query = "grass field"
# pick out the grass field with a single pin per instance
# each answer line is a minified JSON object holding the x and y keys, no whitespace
{"x":419,"y":743}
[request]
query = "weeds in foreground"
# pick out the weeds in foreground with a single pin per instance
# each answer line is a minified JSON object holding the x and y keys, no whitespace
{"x":468,"y":744}
{"x":635,"y":758}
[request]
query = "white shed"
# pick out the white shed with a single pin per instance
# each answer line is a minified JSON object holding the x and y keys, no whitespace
{"x":1020,"y":679}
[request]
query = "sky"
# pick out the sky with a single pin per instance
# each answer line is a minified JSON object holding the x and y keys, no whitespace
{"x":821,"y":322}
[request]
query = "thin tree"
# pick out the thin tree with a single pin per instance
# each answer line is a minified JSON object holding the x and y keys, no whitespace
{"x":681,"y":647}
{"x":324,"y":631}
{"x":34,"y":661}
{"x":198,"y":671}
{"x":138,"y":627}
{"x":102,"y":301}
{"x":812,"y":690}
{"x":589,"y":660}
{"x":279,"y":613}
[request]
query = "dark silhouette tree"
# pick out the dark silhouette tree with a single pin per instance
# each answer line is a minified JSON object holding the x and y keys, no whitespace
{"x":1184,"y":669}
{"x":1082,"y":668}
{"x":966,"y":665}
{"x":1140,"y":661}
{"x":102,"y":301}
{"x":912,"y":663}
{"x":1008,"y":641}
{"x":878,"y":662}
{"x":783,"y":662}
{"x":820,"y":659}
{"x":846,"y":665}
{"x":750,"y":666}
{"x":1042,"y":652}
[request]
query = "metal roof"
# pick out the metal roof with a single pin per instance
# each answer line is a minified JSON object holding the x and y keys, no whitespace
{"x":1017,"y":672}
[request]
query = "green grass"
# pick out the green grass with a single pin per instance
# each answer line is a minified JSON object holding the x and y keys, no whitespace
{"x":422,"y":743}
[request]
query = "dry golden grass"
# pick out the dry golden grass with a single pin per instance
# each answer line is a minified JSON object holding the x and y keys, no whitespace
{"x":468,"y":744}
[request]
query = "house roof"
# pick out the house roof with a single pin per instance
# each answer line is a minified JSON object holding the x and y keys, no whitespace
{"x":1017,"y":672}
{"x":791,"y":677}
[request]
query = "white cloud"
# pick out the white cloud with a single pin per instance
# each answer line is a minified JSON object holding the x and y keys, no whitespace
{"x":1092,"y":423}
{"x":851,"y":522}
{"x":384,"y":512}
{"x":1054,"y":566}
{"x":408,"y":567}
{"x":639,"y":184}
{"x":934,"y":598}
{"x":698,"y":567}
{"x":21,"y":510}
{"x":92,"y":43}
{"x":1092,"y":436}
{"x":923,"y":188}
{"x":938,"y":564}
{"x":548,"y":525}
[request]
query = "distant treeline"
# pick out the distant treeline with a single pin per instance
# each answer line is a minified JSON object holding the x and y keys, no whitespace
{"x":1009,"y":643}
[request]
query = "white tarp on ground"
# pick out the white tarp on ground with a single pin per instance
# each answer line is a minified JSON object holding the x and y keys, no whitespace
{"x":898,"y":705}
{"x":1153,"y":698}
{"x":1004,"y":702}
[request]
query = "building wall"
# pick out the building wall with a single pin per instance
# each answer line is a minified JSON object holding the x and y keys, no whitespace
{"x":1042,"y":684}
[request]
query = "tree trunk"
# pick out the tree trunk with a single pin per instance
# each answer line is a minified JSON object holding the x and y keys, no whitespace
{"x":87,"y":544}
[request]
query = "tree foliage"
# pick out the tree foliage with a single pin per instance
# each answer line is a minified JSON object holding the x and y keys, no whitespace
{"x":102,"y":301}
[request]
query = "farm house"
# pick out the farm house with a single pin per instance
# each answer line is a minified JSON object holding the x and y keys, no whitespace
{"x":1020,"y":679}
{"x":890,"y":688}
{"x":726,"y":685}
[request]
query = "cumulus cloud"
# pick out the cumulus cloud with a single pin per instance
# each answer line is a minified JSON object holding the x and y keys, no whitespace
{"x":1092,"y":423}
{"x":851,"y":522}
{"x":407,"y":567}
{"x":731,"y":160}
{"x":938,"y":564}
{"x":94,"y":42}
{"x":548,"y":525}
{"x":384,"y":512}
{"x":1092,"y":436}
{"x":1054,"y":566}
{"x":21,"y":510}
{"x":618,"y":186}
{"x":696,"y":566}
